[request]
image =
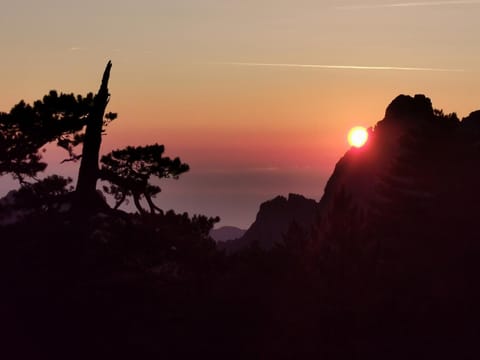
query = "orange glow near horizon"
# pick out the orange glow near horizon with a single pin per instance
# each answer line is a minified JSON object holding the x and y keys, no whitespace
{"x":357,"y":136}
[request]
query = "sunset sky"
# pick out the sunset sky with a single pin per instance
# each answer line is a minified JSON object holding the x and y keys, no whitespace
{"x":257,"y":96}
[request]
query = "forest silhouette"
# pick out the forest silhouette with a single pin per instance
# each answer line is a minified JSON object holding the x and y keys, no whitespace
{"x":384,"y":266}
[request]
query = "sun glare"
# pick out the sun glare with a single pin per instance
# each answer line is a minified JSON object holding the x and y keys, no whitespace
{"x":357,"y":136}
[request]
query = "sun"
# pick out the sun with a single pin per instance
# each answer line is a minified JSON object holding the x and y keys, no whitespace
{"x":357,"y":136}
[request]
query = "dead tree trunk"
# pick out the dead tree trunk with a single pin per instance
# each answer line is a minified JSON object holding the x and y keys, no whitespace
{"x":88,"y":174}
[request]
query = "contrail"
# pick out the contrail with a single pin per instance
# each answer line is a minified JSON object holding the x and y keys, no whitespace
{"x":408,"y":4}
{"x":339,"y":67}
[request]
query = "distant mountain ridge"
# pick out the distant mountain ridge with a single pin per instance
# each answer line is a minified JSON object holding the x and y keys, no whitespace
{"x":227,"y":233}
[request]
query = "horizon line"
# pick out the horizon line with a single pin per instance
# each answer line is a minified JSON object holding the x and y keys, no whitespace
{"x":408,"y":4}
{"x":339,"y":67}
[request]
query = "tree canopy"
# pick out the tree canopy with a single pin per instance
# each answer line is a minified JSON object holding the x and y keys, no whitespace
{"x":70,"y":120}
{"x":129,"y":171}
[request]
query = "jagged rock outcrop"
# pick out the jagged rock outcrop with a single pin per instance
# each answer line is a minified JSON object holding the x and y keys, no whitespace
{"x":405,"y":108}
{"x":273,"y":220}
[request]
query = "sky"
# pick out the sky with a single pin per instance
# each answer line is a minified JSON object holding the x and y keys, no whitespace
{"x":256,"y":96}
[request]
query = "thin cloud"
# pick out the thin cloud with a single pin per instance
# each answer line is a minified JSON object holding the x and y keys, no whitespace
{"x":340,"y":67}
{"x":408,"y":4}
{"x":75,"y":48}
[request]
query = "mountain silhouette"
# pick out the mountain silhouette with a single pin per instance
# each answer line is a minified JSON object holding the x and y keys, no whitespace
{"x":417,"y":161}
{"x":273,"y":221}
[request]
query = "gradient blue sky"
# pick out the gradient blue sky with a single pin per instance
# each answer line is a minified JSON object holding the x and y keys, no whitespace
{"x":257,"y":96}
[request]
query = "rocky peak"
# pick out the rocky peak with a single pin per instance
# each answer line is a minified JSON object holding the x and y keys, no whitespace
{"x":472,"y":120}
{"x":408,"y":108}
{"x":273,"y":220}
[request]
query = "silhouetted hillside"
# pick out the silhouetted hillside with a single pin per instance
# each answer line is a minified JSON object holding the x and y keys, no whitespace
{"x":273,"y":220}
